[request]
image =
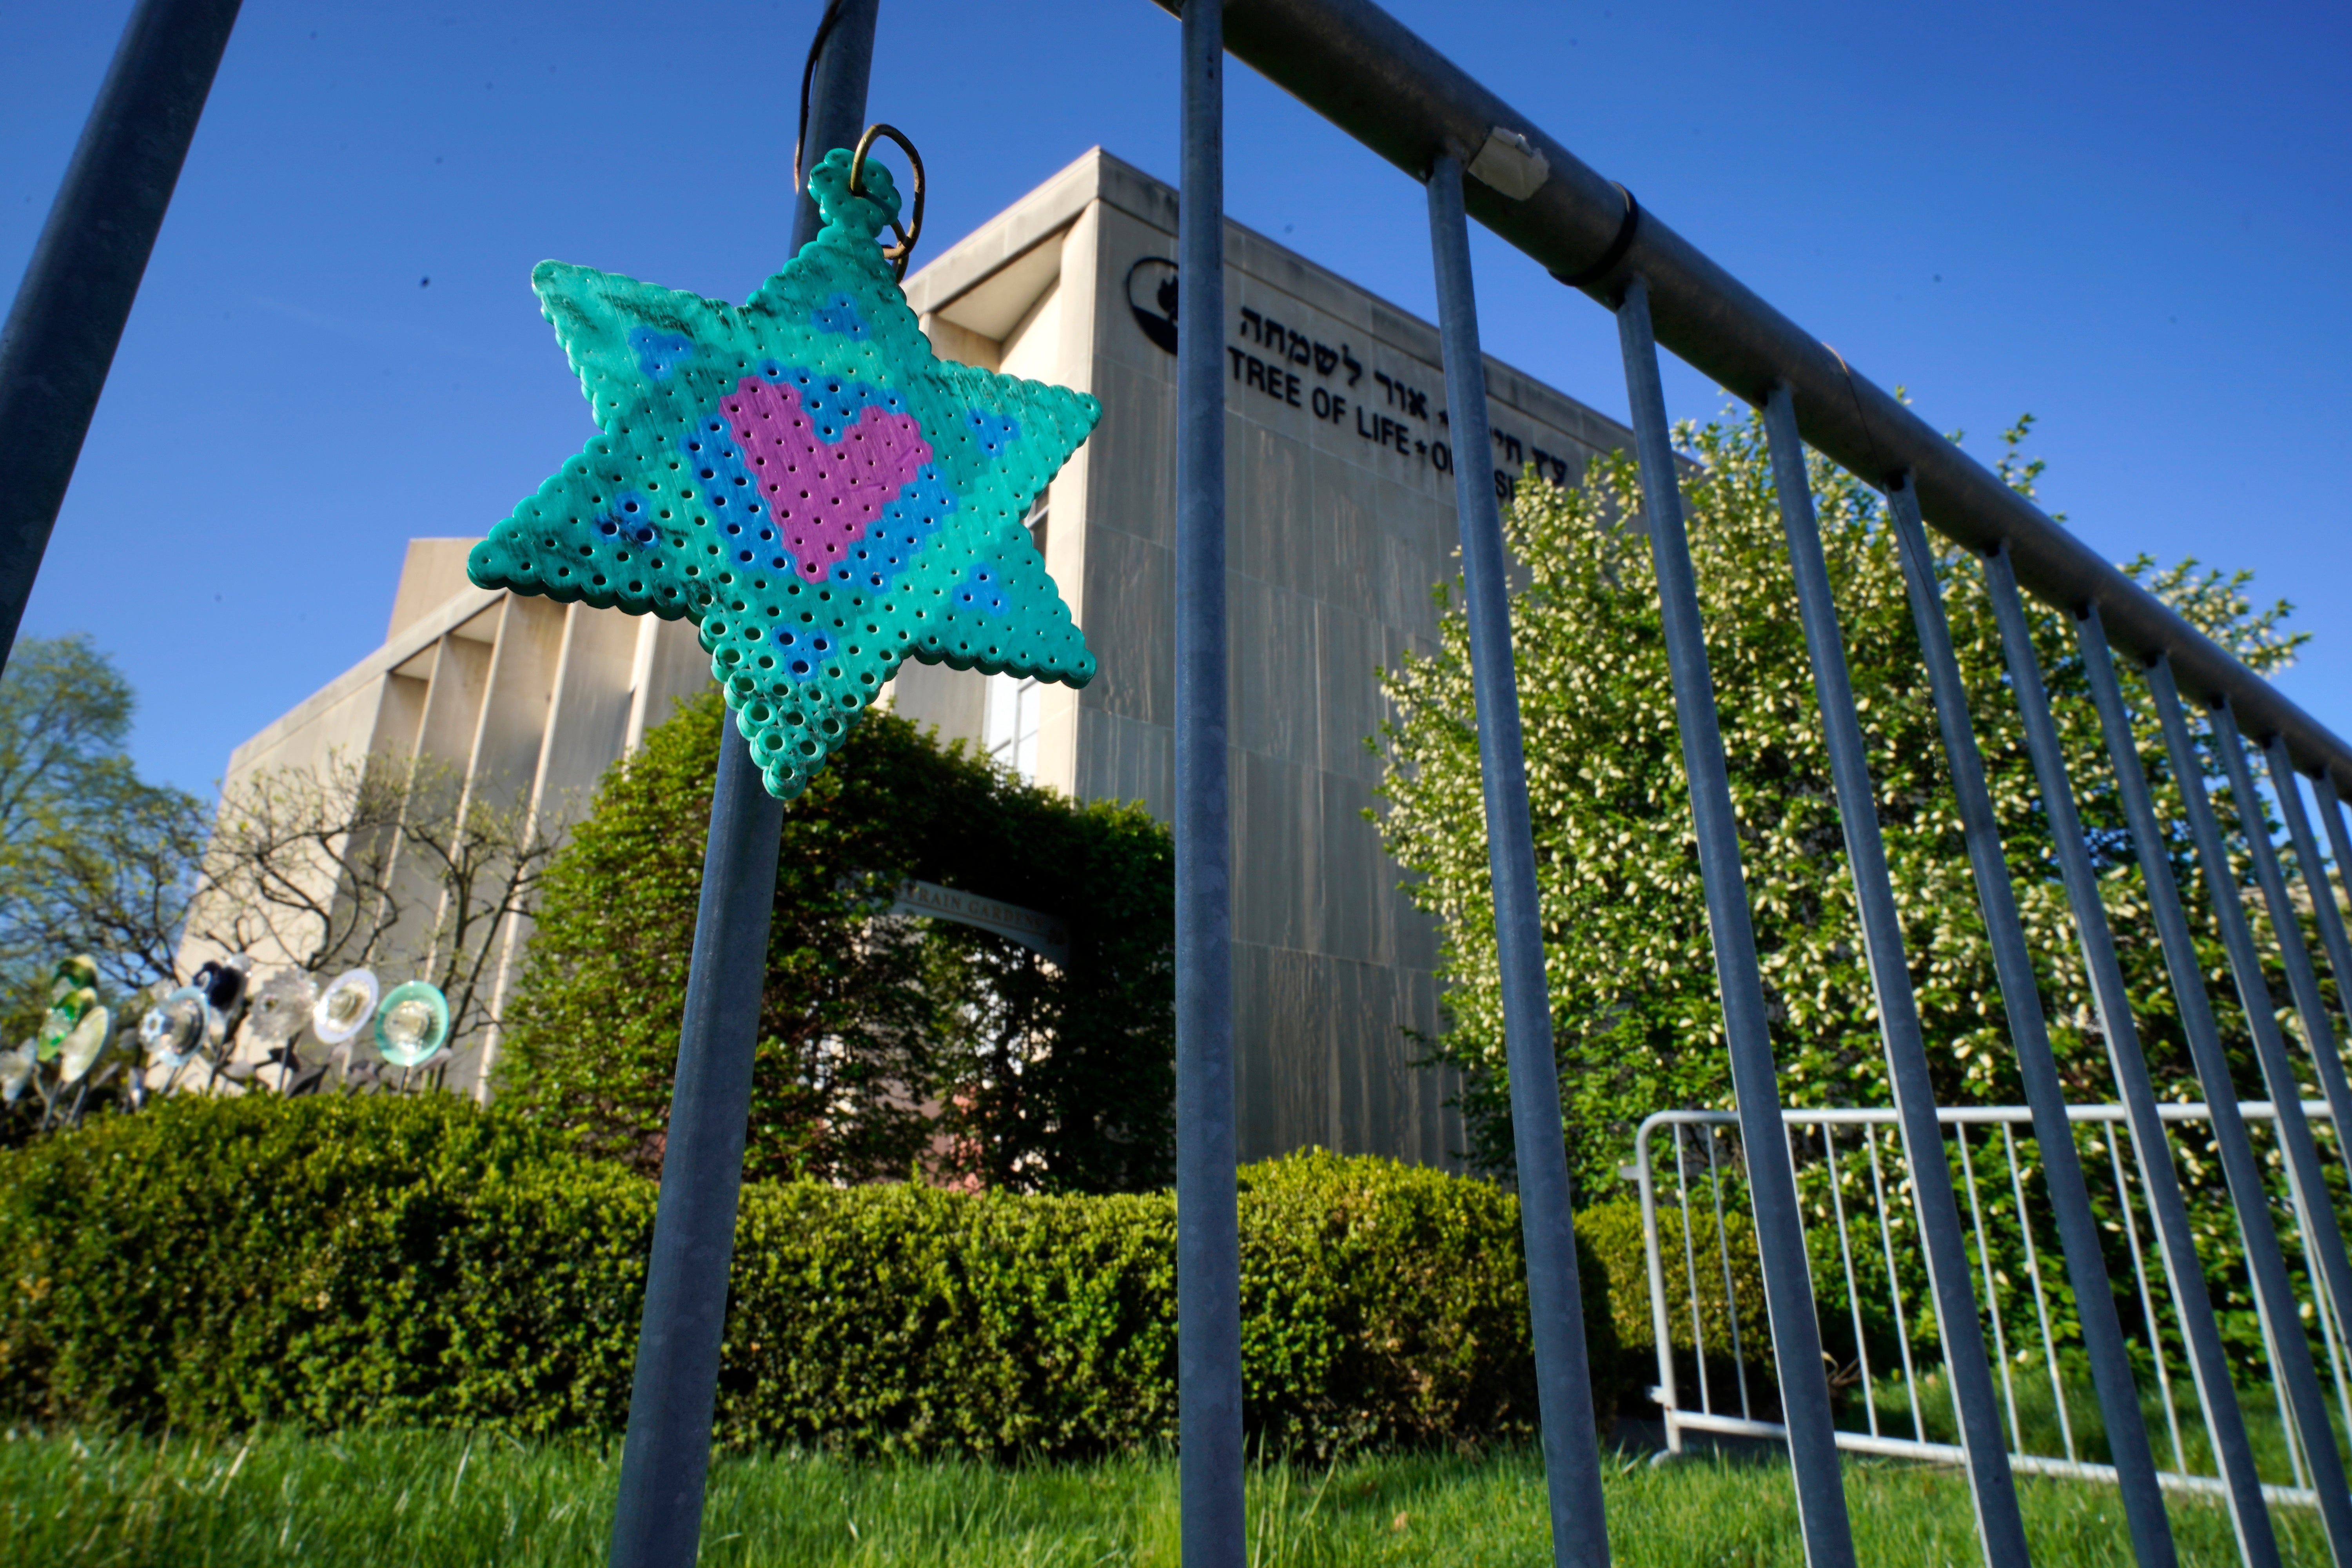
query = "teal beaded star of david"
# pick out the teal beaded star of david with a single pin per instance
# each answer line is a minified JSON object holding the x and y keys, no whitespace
{"x":805,"y":481}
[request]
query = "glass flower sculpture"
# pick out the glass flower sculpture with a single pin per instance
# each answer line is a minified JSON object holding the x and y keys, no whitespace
{"x":344,"y":1007}
{"x":412,"y":1023}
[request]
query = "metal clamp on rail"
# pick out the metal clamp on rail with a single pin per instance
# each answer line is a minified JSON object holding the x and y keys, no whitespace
{"x":1627,"y":227}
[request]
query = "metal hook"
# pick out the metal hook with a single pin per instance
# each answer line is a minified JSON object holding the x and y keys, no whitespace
{"x":896,"y":254}
{"x":808,"y":78}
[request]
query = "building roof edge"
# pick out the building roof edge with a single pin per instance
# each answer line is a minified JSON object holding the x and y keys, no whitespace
{"x":1096,"y":175}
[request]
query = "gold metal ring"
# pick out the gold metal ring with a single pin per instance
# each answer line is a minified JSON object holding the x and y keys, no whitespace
{"x":896,"y":254}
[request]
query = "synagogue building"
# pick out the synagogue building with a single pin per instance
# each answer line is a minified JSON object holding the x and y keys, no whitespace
{"x":1340,"y":520}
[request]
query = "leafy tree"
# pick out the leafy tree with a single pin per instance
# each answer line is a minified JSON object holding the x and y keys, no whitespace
{"x":1630,"y":963}
{"x":92,"y":858}
{"x":883,"y":1041}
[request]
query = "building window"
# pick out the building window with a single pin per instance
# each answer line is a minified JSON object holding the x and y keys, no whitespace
{"x":1008,"y":723}
{"x":1011,"y":731}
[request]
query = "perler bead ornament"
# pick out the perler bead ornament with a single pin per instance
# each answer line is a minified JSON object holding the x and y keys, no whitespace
{"x":805,"y":481}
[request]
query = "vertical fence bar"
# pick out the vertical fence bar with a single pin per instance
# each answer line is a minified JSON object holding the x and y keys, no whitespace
{"x":2029,"y":1034}
{"x":2329,"y":1337}
{"x":2288,"y":1428}
{"x":76,"y":293}
{"x":1771,"y":1174}
{"x":1563,"y":1381}
{"x":1208,"y":1236}
{"x":1852,"y":1291}
{"x":1894,"y":1285}
{"x":2324,"y":1314}
{"x":2146,"y":1301}
{"x":1992,"y":1295}
{"x":2295,"y":953}
{"x":2042,"y":1297}
{"x":2224,"y":1421}
{"x":666,"y":1456}
{"x":2330,"y":921}
{"x":1690,"y":1276}
{"x":2315,"y":881}
{"x":1660,"y":1325}
{"x":2339,"y":841}
{"x":1723,"y":1259}
{"x":1994,"y":1490}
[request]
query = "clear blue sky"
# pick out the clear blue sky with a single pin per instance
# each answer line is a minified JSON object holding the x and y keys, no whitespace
{"x":2132,"y":221}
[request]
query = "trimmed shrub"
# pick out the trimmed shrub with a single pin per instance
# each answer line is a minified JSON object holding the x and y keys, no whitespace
{"x":1388,"y":1303}
{"x":877,"y":1034}
{"x":415,"y":1260}
{"x":1613,"y":1232}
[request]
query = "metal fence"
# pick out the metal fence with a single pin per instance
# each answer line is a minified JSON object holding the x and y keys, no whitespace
{"x":1715,"y":1368}
{"x":1478,"y":158}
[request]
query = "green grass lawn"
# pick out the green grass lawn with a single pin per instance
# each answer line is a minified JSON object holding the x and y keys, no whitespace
{"x":384,"y":1498}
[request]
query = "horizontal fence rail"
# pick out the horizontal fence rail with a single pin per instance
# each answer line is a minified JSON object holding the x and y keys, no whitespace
{"x":1714,"y":1374}
{"x":1374,"y":78}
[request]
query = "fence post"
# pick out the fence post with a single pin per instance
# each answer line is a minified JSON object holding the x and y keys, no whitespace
{"x":1208,"y":1241}
{"x":1771,"y":1174}
{"x":1994,"y":1489}
{"x":1563,"y":1381}
{"x":2029,"y":1034}
{"x":665,"y":1456}
{"x":69,"y":312}
{"x":2248,"y":1197}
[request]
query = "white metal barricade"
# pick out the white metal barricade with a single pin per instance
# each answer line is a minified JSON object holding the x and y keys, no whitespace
{"x":1854,"y":1179}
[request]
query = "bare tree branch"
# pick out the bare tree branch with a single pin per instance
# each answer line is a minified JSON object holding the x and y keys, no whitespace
{"x":386,"y":861}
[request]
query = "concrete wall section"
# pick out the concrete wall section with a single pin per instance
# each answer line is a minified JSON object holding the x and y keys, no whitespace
{"x":432,"y":573}
{"x":1340,"y":520}
{"x":504,"y":762}
{"x":589,"y":719}
{"x":670,"y":667}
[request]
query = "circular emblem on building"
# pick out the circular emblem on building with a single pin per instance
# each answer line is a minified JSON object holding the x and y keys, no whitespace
{"x":1151,"y":295}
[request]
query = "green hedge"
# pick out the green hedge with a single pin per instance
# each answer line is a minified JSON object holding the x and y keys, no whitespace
{"x":334,"y":1262}
{"x":1613,"y":1232}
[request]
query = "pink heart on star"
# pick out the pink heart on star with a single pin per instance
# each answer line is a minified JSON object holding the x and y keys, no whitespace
{"x":824,"y":495}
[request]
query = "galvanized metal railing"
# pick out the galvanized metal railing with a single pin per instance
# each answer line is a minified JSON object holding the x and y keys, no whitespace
{"x":1689,"y":1168}
{"x":1378,"y":81}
